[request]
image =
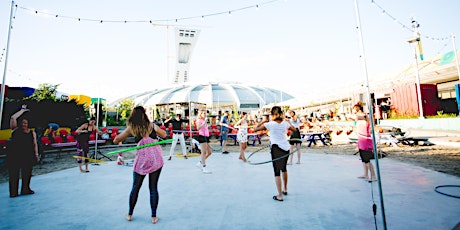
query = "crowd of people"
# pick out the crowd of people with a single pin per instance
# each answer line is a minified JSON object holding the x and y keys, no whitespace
{"x":149,"y":158}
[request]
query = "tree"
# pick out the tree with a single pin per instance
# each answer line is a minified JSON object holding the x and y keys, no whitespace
{"x":44,"y":91}
{"x":125,"y":107}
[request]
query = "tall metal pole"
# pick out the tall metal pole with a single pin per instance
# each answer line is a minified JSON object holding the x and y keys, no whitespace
{"x":371,"y":113}
{"x":458,"y":67}
{"x":456,"y":56}
{"x":97,"y":127}
{"x":416,"y":40}
{"x":6,"y":64}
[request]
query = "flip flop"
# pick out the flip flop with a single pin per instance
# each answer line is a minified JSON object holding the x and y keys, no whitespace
{"x":276,"y":198}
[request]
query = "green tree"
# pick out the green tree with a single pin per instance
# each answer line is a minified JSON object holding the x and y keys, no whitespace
{"x":44,"y":91}
{"x":125,"y":107}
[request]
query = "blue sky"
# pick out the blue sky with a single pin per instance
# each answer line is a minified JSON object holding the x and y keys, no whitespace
{"x":301,"y":47}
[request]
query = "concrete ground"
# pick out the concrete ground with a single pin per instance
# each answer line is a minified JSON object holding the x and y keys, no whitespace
{"x":323,"y":193}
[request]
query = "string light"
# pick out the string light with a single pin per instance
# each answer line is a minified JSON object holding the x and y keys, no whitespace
{"x":229,"y":12}
{"x":385,"y":12}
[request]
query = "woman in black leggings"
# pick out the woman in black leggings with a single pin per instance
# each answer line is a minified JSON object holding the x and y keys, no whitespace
{"x":148,"y":161}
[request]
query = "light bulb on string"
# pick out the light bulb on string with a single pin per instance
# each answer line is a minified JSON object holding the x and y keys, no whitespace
{"x":202,"y":18}
{"x":229,"y":13}
{"x":257,"y":7}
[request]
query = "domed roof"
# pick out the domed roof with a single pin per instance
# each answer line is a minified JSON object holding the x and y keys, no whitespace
{"x":214,"y":95}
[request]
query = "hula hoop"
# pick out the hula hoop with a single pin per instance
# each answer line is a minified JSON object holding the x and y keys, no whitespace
{"x":140,"y":146}
{"x":278,"y":158}
{"x":447,"y":186}
{"x":215,"y":149}
{"x":90,"y":159}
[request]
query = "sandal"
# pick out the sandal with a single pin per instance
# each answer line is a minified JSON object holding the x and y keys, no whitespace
{"x":129,"y":217}
{"x":276,"y":198}
{"x":285,"y":193}
{"x":372,"y":180}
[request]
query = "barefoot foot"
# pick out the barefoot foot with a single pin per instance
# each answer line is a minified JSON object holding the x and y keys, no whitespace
{"x":154,"y":220}
{"x":129,"y":217}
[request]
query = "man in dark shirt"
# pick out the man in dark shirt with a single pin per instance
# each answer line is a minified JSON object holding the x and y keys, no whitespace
{"x":177,"y":134}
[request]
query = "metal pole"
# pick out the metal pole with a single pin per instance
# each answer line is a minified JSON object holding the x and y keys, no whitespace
{"x":6,"y":64}
{"x":371,"y":113}
{"x":415,"y":25}
{"x":456,"y":56}
{"x":457,"y":64}
{"x":97,"y":125}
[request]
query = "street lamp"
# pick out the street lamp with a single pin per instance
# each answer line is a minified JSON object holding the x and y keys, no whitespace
{"x":416,"y":40}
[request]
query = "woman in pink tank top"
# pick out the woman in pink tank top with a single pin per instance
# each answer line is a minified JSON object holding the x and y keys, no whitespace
{"x":365,"y":145}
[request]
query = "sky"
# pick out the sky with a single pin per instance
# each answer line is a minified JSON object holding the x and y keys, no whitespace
{"x":305,"y":48}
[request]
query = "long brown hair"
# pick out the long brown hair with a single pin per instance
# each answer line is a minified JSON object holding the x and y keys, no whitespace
{"x":139,"y":122}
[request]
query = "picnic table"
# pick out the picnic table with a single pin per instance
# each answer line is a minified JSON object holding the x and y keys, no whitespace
{"x":251,"y":136}
{"x":312,"y":137}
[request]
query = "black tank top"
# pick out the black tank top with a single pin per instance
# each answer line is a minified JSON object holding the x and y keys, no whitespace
{"x":153,"y":135}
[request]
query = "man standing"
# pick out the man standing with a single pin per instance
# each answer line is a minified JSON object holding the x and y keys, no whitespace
{"x":224,"y":131}
{"x":177,"y":135}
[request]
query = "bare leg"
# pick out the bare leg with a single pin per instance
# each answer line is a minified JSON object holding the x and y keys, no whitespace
{"x":79,"y":166}
{"x":291,"y":156}
{"x":371,"y":168}
{"x":285,"y":180}
{"x":243,"y":146}
{"x":204,"y":148}
{"x":365,"y":175}
{"x":298,"y":153}
{"x":209,"y":151}
{"x":278,"y":187}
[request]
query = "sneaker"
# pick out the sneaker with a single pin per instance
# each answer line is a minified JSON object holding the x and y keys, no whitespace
{"x":198,"y":165}
{"x":205,"y":170}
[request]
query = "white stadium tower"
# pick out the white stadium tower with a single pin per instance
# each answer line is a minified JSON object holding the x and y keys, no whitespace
{"x":185,"y":42}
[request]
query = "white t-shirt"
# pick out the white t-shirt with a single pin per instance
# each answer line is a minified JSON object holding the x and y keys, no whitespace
{"x":295,"y":123}
{"x":278,"y":134}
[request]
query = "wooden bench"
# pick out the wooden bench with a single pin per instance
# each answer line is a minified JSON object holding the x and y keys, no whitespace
{"x":66,"y":147}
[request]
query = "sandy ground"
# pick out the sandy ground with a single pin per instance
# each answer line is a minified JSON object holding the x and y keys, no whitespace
{"x":439,"y":158}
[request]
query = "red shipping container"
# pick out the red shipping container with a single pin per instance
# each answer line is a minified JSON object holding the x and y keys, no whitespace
{"x":404,"y":99}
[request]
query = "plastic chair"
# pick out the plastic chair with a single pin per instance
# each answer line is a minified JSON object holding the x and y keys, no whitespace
{"x":114,"y":130}
{"x":58,"y":139}
{"x":113,"y":135}
{"x":45,"y":140}
{"x":63,"y":132}
{"x":70,"y":138}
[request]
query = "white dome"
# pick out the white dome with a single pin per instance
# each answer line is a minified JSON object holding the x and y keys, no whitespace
{"x":214,"y":95}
